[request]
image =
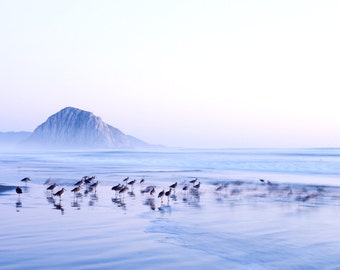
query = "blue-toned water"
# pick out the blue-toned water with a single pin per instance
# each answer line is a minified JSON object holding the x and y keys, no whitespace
{"x":296,"y":165}
{"x":234,"y":220}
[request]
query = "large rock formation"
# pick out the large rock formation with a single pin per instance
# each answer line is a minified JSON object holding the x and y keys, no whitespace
{"x":75,"y":128}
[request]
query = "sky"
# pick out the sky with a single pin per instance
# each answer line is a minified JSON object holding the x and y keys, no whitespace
{"x":182,"y":73}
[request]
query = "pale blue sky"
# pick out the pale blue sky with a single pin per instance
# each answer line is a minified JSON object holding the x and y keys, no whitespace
{"x":180,"y":73}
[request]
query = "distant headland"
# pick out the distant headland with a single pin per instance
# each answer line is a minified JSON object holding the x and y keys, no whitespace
{"x":73,"y":128}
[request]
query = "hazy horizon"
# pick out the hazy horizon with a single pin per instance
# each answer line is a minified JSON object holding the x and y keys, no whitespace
{"x":207,"y":74}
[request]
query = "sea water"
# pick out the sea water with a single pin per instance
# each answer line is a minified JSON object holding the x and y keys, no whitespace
{"x":287,"y":220}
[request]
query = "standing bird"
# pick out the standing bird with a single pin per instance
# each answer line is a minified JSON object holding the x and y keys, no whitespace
{"x":142,"y":181}
{"x":193,"y":181}
{"x":59,"y":193}
{"x":76,"y":190}
{"x":173,"y":186}
{"x":197,"y":186}
{"x":131,"y":183}
{"x":161,"y":195}
{"x":88,"y":179}
{"x":26,"y":179}
{"x":18,"y":190}
{"x":116,"y":188}
{"x":94,"y":186}
{"x":152,"y":191}
{"x":168,"y":193}
{"x":122,"y":190}
{"x":51,"y":187}
{"x":79,"y":183}
{"x":219,"y":188}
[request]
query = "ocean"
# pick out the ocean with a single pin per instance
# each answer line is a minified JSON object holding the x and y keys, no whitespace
{"x":247,"y":209}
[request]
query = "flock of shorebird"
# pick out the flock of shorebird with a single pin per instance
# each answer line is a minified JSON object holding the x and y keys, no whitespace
{"x":190,"y":190}
{"x":89,"y":185}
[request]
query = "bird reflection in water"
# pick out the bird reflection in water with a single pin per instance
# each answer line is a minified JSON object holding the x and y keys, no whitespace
{"x":77,"y":199}
{"x":77,"y":195}
{"x":165,"y":209}
{"x":93,"y":199}
{"x":151,"y":203}
{"x":18,"y":205}
{"x":75,"y":204}
{"x":119,"y":202}
{"x":131,"y":194}
{"x":50,"y":199}
{"x":192,"y":198}
{"x":59,"y":206}
{"x":25,"y":189}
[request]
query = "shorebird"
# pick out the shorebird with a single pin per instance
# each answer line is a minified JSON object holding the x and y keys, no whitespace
{"x":142,"y":181}
{"x":94,"y":186}
{"x":76,"y":190}
{"x":173,"y":186}
{"x":147,"y":189}
{"x":116,"y":188}
{"x":161,"y":195}
{"x":131,"y":183}
{"x":79,"y":183}
{"x":18,"y":190}
{"x":59,"y":193}
{"x":88,"y":180}
{"x":168,"y":193}
{"x":193,"y":181}
{"x":152,"y":191}
{"x":126,"y":179}
{"x":51,"y":187}
{"x":219,"y":188}
{"x":123,"y":189}
{"x":197,"y":186}
{"x":26,"y":179}
{"x":185,"y":188}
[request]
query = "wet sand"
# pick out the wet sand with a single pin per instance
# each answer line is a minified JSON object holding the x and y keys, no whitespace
{"x":233,"y":224}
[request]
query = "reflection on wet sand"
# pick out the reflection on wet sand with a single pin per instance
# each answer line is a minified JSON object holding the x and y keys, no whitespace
{"x":229,"y":192}
{"x":18,"y":205}
{"x":192,"y":198}
{"x":77,"y":200}
{"x":93,"y":199}
{"x":59,"y":206}
{"x":151,"y":203}
{"x":118,"y":201}
{"x":75,"y":204}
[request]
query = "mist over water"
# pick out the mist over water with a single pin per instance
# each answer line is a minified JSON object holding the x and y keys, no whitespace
{"x":289,"y":220}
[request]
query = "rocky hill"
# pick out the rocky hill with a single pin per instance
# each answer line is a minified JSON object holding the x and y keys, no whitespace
{"x":75,"y":128}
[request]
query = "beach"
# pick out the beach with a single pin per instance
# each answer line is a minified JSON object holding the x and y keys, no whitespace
{"x":252,"y":210}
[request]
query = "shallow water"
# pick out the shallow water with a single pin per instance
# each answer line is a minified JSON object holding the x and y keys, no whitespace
{"x":290,"y":222}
